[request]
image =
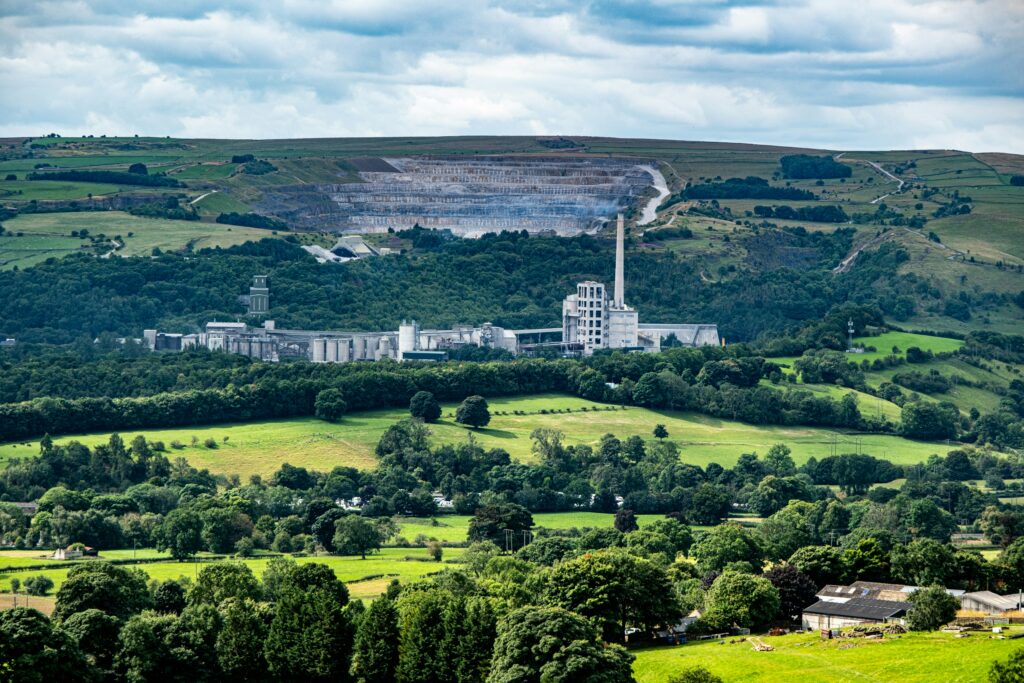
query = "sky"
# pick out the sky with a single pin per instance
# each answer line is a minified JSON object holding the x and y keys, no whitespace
{"x":836,"y":74}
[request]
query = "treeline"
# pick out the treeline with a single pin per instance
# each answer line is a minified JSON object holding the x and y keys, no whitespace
{"x":818,"y":214}
{"x":750,"y":187}
{"x":114,"y":177}
{"x":806,"y":166}
{"x":252,"y":220}
{"x":170,"y":208}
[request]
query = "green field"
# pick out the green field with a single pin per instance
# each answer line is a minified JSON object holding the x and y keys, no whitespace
{"x":389,"y":563}
{"x":261,"y":447}
{"x":48,"y":235}
{"x":911,"y":658}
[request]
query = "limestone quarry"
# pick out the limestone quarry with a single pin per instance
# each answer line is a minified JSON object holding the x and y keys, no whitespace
{"x":471,"y":195}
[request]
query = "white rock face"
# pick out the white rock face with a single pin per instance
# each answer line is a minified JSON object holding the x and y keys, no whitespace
{"x":472,"y":195}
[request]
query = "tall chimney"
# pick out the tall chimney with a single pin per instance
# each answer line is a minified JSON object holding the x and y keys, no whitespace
{"x":620,"y":236}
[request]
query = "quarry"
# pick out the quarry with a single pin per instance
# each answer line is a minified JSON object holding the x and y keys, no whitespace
{"x":471,"y":195}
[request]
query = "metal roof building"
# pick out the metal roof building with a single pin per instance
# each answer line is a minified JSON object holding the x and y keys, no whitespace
{"x":855,"y":611}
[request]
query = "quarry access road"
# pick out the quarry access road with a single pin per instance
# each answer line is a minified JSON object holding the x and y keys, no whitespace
{"x":650,"y":211}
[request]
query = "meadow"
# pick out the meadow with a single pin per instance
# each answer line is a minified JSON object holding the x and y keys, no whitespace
{"x":405,"y":564}
{"x":46,"y":235}
{"x":261,"y":447}
{"x":910,"y":658}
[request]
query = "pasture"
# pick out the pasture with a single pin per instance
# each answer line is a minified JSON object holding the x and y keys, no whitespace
{"x":261,"y":447}
{"x":910,"y":658}
{"x":46,"y":235}
{"x":405,"y":564}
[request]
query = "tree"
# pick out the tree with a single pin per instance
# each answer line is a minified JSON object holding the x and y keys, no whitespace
{"x":95,"y":633}
{"x":822,"y":564}
{"x":169,"y":597}
{"x":473,"y":412}
{"x":796,"y":590}
{"x":927,"y":420}
{"x":1001,"y":526}
{"x":117,"y":591}
{"x":779,"y":461}
{"x":553,"y":645}
{"x":240,"y":641}
{"x":138,"y":168}
{"x":592,"y":385}
{"x":330,"y":405}
{"x":376,"y":644}
{"x":625,"y":521}
{"x":490,"y":523}
{"x":33,"y":651}
{"x":310,"y":636}
{"x":180,"y":533}
{"x":660,"y":432}
{"x":710,"y":503}
{"x":614,"y":588}
{"x":167,"y":648}
{"x":223,"y":527}
{"x":694,"y":674}
{"x":355,"y":535}
{"x":222,"y":581}
{"x":726,"y":544}
{"x":932,"y":608}
{"x":741,"y":599}
{"x":1012,"y":559}
{"x":923,"y":562}
{"x":424,"y":406}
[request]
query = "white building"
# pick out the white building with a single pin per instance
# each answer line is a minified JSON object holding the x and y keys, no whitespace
{"x":594,"y":321}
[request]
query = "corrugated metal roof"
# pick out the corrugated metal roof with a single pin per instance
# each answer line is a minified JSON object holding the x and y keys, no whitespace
{"x":859,"y":608}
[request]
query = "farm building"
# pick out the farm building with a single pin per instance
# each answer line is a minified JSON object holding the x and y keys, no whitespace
{"x":853,"y":612}
{"x":990,"y":603}
{"x":871,"y":590}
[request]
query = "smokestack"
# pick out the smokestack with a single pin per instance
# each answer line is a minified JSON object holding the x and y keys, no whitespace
{"x":620,"y":286}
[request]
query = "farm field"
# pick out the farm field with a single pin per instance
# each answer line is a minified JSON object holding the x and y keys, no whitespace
{"x":49,"y":235}
{"x":261,"y":447}
{"x":389,"y":562}
{"x":911,"y":658}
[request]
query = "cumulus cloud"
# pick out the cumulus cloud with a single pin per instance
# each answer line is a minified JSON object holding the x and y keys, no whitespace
{"x":877,"y":74}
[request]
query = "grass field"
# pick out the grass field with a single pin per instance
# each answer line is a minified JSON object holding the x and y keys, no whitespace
{"x":389,"y":562}
{"x":48,"y":235}
{"x":911,"y":658}
{"x":261,"y":447}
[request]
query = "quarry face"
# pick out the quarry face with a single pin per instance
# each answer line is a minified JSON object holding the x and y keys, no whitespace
{"x":469,"y":195}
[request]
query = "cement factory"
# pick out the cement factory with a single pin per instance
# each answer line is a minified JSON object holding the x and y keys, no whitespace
{"x":591,"y":321}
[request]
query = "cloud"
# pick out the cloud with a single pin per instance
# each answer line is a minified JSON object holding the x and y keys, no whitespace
{"x":881,"y":74}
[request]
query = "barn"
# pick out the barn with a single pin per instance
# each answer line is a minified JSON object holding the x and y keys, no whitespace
{"x":854,"y":612}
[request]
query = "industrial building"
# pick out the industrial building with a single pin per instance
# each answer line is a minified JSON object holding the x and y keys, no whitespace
{"x":591,"y":321}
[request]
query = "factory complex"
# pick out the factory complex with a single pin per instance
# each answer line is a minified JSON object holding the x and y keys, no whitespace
{"x":591,"y":321}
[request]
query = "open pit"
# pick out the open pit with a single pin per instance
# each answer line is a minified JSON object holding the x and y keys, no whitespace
{"x":469,"y":195}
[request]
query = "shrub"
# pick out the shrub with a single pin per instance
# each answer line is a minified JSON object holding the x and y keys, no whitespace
{"x":210,"y":442}
{"x":38,"y":585}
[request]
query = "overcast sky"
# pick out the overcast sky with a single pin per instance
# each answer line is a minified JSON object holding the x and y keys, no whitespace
{"x":843,"y":74}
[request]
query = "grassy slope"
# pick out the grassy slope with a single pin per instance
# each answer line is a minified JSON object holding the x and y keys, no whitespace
{"x":912,"y":658}
{"x":261,"y":447}
{"x":48,"y":234}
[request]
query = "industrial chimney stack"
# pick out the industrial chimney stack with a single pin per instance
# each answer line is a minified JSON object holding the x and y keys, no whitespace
{"x":620,"y":286}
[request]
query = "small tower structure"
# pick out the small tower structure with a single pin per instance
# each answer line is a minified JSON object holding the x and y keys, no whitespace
{"x":259,"y":296}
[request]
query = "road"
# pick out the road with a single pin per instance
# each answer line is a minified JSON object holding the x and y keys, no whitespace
{"x":202,"y":197}
{"x":650,"y":211}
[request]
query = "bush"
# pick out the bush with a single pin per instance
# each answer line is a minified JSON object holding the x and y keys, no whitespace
{"x":695,"y":674}
{"x":210,"y":442}
{"x":38,"y":585}
{"x":251,"y":220}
